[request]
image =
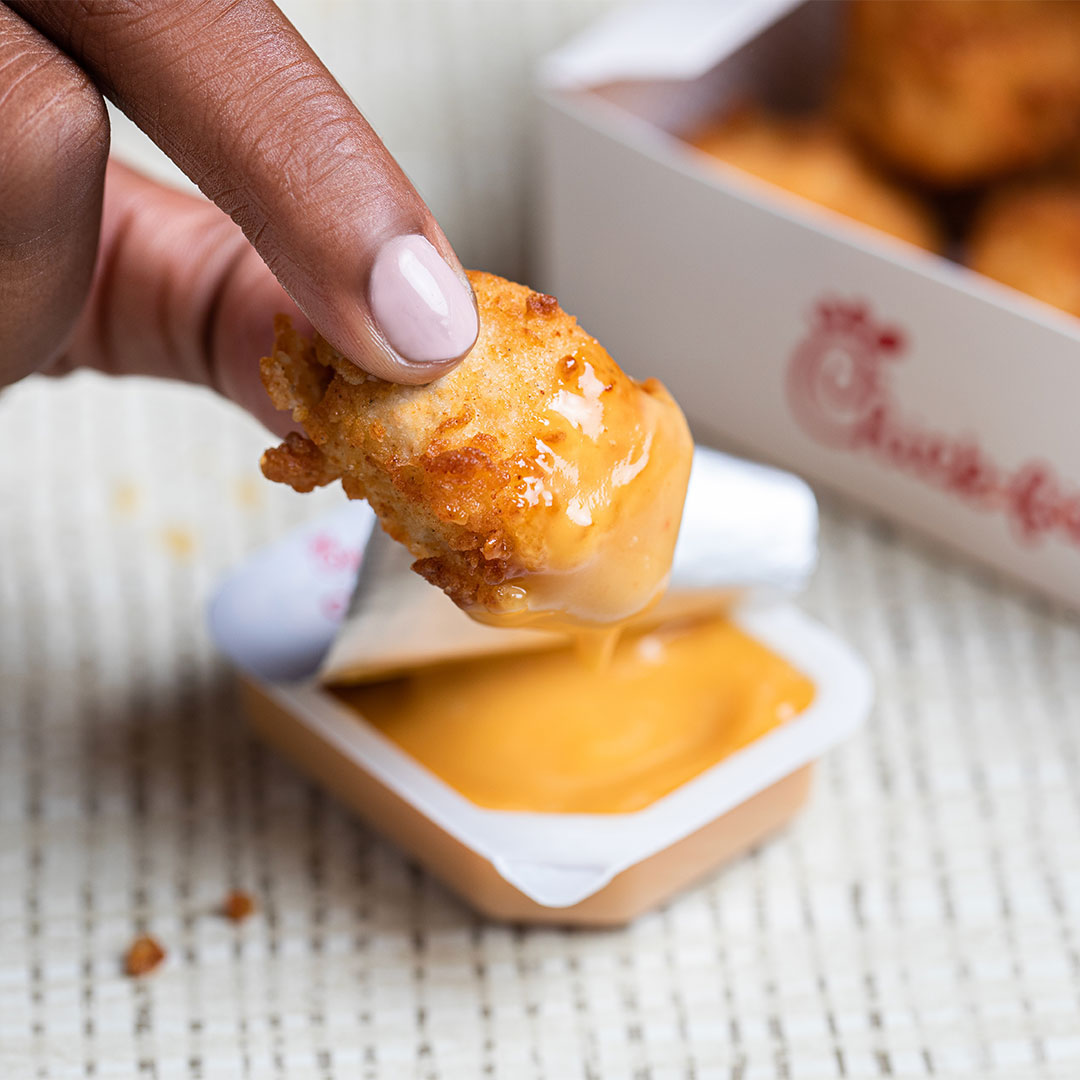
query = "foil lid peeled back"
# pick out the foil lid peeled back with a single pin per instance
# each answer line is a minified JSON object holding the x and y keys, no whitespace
{"x":336,"y":599}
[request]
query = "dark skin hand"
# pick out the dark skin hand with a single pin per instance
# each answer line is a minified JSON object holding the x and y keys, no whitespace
{"x":102,"y":268}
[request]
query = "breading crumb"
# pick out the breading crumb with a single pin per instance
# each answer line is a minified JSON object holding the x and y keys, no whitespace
{"x":238,"y":905}
{"x":143,"y":956}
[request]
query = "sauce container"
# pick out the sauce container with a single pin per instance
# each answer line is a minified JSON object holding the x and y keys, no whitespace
{"x":295,"y":622}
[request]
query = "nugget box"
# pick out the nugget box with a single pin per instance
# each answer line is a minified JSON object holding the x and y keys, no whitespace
{"x":932,"y":394}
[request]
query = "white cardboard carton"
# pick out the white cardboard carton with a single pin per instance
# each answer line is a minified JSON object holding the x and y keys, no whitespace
{"x":931,"y":393}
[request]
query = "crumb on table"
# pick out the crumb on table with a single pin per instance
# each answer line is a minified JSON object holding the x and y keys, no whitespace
{"x":248,"y":492}
{"x":179,"y":542}
{"x":143,"y":956}
{"x":125,"y":498}
{"x":238,"y":905}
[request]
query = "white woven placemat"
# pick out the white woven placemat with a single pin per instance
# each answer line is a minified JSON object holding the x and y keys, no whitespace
{"x":921,"y":918}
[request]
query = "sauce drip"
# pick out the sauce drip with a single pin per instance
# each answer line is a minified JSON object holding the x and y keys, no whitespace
{"x":594,"y":646}
{"x":543,"y":732}
{"x":604,"y":486}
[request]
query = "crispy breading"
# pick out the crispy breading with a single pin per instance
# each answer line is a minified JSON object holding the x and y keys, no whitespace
{"x":299,"y":463}
{"x":962,"y":91}
{"x":526,"y":459}
{"x":812,"y":157}
{"x":1028,"y":236}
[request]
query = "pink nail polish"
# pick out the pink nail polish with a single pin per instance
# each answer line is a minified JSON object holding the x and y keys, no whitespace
{"x":424,"y":311}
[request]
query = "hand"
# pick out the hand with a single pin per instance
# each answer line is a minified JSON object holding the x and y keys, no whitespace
{"x":101,"y":267}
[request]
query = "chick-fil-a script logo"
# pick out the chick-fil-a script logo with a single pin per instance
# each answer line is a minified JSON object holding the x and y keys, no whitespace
{"x":839,"y":391}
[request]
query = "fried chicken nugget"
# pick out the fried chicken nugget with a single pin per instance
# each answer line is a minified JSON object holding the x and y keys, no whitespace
{"x":963,"y":91}
{"x":813,"y":158}
{"x":535,"y":480}
{"x":1028,"y":236}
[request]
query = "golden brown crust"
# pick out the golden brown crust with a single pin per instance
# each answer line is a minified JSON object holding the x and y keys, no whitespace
{"x":812,"y":157}
{"x":299,"y":463}
{"x":960,"y":92}
{"x":292,"y":375}
{"x":1028,"y":236}
{"x":453,"y":469}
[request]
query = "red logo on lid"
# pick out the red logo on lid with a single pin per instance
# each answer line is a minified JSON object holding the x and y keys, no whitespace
{"x":839,"y":392}
{"x":837,"y":375}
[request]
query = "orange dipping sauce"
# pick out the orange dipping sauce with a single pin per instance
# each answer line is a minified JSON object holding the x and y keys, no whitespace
{"x":543,"y":732}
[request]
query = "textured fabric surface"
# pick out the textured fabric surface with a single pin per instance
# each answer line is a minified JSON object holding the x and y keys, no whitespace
{"x":921,"y":918}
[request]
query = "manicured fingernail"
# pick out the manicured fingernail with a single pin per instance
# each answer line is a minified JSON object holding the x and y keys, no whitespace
{"x":423,"y":310}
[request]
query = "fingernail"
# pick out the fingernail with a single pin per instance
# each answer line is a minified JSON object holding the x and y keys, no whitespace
{"x":423,"y":310}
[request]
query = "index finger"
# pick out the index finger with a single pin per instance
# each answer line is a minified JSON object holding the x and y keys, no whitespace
{"x":233,"y":94}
